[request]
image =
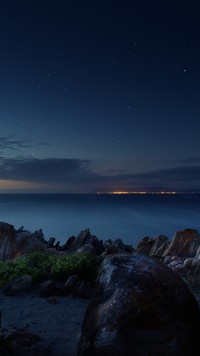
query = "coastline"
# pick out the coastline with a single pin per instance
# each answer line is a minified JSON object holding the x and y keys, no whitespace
{"x":57,"y":320}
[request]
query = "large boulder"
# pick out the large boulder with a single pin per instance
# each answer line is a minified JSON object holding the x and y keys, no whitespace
{"x":140,"y":307}
{"x":26,"y":243}
{"x":184,"y":244}
{"x":17,"y":243}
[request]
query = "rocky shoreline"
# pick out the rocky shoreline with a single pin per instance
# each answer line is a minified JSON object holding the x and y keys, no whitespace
{"x":181,"y":255}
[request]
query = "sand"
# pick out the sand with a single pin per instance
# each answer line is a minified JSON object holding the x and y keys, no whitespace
{"x":58,"y":324}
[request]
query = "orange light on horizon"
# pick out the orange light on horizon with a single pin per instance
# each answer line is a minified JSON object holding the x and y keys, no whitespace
{"x":136,"y":192}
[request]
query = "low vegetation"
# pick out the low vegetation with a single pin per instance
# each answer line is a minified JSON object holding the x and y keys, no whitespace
{"x":41,"y":265}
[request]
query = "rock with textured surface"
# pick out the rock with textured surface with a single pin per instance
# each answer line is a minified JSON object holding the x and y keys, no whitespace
{"x":197,"y":256}
{"x":26,"y":243}
{"x":140,"y":307}
{"x":17,"y":243}
{"x":184,"y":244}
{"x":88,"y":249}
{"x":192,"y":268}
{"x":160,"y":243}
{"x":7,"y":241}
{"x":145,"y":246}
{"x":18,"y":285}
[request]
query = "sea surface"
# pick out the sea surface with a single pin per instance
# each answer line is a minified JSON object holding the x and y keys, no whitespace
{"x":130,"y":217}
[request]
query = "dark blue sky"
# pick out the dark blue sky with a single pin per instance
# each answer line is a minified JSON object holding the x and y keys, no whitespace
{"x":99,"y":96}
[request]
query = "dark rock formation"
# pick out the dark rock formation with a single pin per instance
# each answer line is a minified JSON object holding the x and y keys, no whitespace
{"x":21,"y":343}
{"x":153,"y":246}
{"x":160,"y":243}
{"x":18,"y":285}
{"x":71,"y":284}
{"x":140,"y":307}
{"x":88,"y":249}
{"x":85,"y":237}
{"x":51,"y":288}
{"x":184,"y":244}
{"x":68,"y":243}
{"x":192,"y":268}
{"x":145,"y":245}
{"x":17,"y":243}
{"x":26,"y":243}
{"x":7,"y":241}
{"x":50,"y":242}
{"x":81,"y":289}
{"x":39,"y":235}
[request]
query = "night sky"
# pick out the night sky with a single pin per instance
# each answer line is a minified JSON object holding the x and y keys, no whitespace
{"x":99,"y":96}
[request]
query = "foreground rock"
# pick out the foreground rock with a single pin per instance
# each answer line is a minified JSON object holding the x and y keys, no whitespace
{"x":140,"y":307}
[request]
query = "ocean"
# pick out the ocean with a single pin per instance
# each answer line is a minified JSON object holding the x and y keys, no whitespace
{"x":129,"y":217}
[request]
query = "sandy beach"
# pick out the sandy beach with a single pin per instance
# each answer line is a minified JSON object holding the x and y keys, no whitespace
{"x":57,"y":321}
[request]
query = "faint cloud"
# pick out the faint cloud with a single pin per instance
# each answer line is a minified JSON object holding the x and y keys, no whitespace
{"x":10,"y":143}
{"x":45,"y":170}
{"x":80,"y":175}
{"x":189,"y":160}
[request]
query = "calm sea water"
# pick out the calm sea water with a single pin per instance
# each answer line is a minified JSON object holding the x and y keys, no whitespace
{"x":129,"y":217}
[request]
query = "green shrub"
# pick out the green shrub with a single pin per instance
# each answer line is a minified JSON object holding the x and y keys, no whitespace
{"x":11,"y":270}
{"x":77,"y":263}
{"x":41,"y":265}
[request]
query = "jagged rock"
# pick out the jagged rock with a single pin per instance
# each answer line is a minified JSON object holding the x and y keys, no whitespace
{"x":116,"y":246}
{"x":184,"y":244}
{"x":177,"y":264}
{"x":50,"y":242}
{"x":26,"y":243}
{"x":13,"y":244}
{"x":140,"y":307}
{"x":80,"y":240}
{"x":192,"y":268}
{"x":68,"y":244}
{"x":18,"y":285}
{"x":145,"y":246}
{"x":57,"y":245}
{"x":7,"y":241}
{"x":85,"y":237}
{"x":88,"y":249}
{"x":98,"y":244}
{"x":160,"y":243}
{"x":39,"y":235}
